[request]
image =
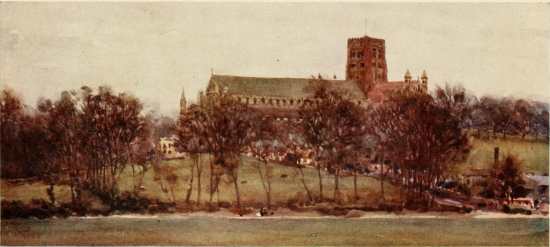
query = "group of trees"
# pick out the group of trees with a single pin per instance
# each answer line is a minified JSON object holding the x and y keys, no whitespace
{"x":422,"y":136}
{"x":507,"y":116}
{"x":85,"y":139}
{"x":221,"y":127}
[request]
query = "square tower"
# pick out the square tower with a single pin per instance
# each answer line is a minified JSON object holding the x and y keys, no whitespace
{"x":366,"y":62}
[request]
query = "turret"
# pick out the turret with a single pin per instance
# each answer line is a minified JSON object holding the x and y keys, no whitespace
{"x":408,"y":76}
{"x":424,"y":78}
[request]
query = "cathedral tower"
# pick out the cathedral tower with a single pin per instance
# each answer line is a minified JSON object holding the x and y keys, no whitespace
{"x":366,"y":62}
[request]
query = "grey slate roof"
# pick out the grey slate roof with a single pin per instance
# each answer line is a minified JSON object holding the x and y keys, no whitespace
{"x":278,"y":87}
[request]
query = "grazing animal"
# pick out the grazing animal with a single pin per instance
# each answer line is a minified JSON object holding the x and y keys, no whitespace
{"x":142,"y":188}
{"x":284,"y":175}
{"x":244,"y":181}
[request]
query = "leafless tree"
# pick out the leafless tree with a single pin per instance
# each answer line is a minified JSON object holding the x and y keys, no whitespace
{"x":112,"y":125}
{"x":334,"y":124}
{"x":421,"y":134}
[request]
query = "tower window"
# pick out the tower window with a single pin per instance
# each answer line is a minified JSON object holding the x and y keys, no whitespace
{"x":362,"y":65}
{"x":360,"y":55}
{"x":352,"y":65}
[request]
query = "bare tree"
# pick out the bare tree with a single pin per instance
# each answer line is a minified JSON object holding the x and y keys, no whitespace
{"x":12,"y":125}
{"x":191,"y":130}
{"x":65,"y":133}
{"x":335,"y":124}
{"x":112,"y":125}
{"x":226,"y":132}
{"x":421,"y":133}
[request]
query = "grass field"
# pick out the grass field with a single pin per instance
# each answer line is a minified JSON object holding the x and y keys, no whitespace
{"x":252,"y":192}
{"x":533,"y":153}
{"x":277,"y":231}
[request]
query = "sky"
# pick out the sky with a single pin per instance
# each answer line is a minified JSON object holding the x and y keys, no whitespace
{"x":154,"y":50}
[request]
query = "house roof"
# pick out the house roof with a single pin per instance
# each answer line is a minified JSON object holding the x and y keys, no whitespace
{"x":476,"y":172}
{"x":536,"y":180}
{"x":278,"y":87}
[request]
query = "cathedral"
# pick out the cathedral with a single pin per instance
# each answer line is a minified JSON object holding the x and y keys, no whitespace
{"x":366,"y":82}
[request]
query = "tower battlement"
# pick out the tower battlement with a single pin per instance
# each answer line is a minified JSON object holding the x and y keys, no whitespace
{"x":367,"y":38}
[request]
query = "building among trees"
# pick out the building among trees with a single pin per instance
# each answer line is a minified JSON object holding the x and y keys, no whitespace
{"x":366,"y":81}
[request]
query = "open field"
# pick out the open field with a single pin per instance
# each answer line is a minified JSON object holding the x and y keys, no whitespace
{"x":533,"y":153}
{"x":252,"y":192}
{"x":277,"y":231}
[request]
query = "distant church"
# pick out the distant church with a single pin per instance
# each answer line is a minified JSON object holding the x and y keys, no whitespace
{"x":366,"y":82}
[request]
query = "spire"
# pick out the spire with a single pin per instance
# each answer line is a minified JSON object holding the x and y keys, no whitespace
{"x":408,"y":76}
{"x":183,"y":102}
{"x":424,"y":79}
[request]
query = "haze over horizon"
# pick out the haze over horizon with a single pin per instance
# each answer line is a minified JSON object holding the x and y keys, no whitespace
{"x":155,"y":49}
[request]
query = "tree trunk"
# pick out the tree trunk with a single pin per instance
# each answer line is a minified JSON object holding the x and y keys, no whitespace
{"x":302,"y":179}
{"x":355,"y":185}
{"x":212,"y":188}
{"x":336,"y":185}
{"x":382,"y":175}
{"x":190,"y":189}
{"x":320,"y":182}
{"x":266,"y":189}
{"x":199,"y":172}
{"x":235,"y":182}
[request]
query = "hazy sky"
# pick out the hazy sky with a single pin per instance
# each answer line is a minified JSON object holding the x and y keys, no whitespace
{"x":153,"y":50}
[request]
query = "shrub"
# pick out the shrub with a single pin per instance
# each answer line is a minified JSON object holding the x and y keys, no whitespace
{"x":506,"y":209}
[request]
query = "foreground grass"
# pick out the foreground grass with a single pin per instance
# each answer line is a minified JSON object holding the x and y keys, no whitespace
{"x":265,"y":231}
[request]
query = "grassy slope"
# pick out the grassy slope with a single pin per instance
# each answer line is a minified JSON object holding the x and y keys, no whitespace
{"x":533,"y":153}
{"x":252,"y":192}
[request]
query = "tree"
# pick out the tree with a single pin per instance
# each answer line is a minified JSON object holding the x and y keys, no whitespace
{"x":333,"y":124}
{"x":65,"y":130}
{"x":422,"y":135}
{"x":505,"y":182}
{"x":112,"y":125}
{"x":12,"y":125}
{"x":227,"y":128}
{"x":191,"y":130}
{"x":525,"y":117}
{"x":265,"y":131}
